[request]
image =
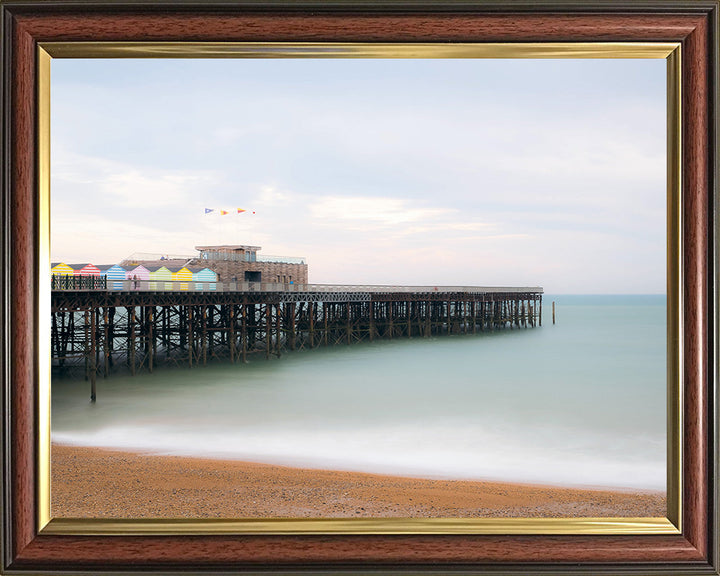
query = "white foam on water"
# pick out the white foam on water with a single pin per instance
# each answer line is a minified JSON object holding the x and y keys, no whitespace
{"x":448,"y":453}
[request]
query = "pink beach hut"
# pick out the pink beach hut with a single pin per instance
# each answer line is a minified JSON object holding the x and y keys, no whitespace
{"x":140,"y":274}
{"x":85,"y":270}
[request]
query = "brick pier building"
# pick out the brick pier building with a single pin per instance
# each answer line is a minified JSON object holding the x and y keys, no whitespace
{"x":243,"y":264}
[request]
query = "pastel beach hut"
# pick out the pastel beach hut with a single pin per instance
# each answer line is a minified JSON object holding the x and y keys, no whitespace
{"x":85,"y":269}
{"x":61,"y":275}
{"x":181,"y":274}
{"x":61,"y":269}
{"x":160,"y":278}
{"x":204,"y":278}
{"x":113,"y":272}
{"x":137,"y":274}
{"x":87,"y":273}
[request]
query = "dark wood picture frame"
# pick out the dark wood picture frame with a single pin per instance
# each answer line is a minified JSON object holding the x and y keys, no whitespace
{"x":26,"y":23}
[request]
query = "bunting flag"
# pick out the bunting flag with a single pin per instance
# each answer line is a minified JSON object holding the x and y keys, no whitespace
{"x":225,"y":212}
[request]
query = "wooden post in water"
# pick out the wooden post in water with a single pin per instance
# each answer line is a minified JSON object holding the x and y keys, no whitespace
{"x":106,"y":341}
{"x":348,"y":327}
{"x":371,"y":311}
{"x":204,"y":343}
{"x":448,"y":320}
{"x":292,"y":325}
{"x":531,"y":312}
{"x":390,"y":318}
{"x":553,"y":313}
{"x":312,"y":308}
{"x":408,"y":306}
{"x":93,"y":368}
{"x":191,"y":339}
{"x":428,"y":318}
{"x":268,"y":330}
{"x":86,"y":346}
{"x":191,"y":335}
{"x":540,"y":315}
{"x":278,"y":328}
{"x":243,"y":333}
{"x":151,"y":336}
{"x":132,"y":340}
{"x":325,"y":323}
{"x":231,"y":333}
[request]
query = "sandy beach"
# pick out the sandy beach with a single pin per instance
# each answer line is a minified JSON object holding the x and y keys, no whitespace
{"x":98,"y":483}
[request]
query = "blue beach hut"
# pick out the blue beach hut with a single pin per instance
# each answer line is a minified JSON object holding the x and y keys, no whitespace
{"x":204,"y":278}
{"x":113,"y":272}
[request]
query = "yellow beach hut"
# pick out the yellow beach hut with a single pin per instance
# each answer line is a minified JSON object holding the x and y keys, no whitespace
{"x":61,"y":275}
{"x":61,"y":269}
{"x":181,"y":274}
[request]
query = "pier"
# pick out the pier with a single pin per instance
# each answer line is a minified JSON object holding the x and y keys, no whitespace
{"x":145,"y":324}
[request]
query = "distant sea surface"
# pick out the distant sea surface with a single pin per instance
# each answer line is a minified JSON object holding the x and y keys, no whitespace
{"x":580,"y":403}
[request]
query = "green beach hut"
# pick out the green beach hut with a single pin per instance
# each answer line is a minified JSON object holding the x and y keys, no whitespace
{"x":160,"y":278}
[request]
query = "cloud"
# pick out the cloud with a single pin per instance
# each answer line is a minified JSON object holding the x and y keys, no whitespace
{"x":103,"y":240}
{"x":378,"y":211}
{"x":121,"y":185}
{"x":270,"y":196}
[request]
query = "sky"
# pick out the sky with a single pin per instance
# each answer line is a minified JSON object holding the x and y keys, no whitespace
{"x":417,"y":172}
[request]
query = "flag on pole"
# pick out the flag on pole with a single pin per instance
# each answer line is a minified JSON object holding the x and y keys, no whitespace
{"x":223,"y":212}
{"x":240,"y":210}
{"x":208,"y":210}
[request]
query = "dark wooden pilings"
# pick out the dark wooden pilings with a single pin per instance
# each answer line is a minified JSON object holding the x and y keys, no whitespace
{"x":146,"y":330}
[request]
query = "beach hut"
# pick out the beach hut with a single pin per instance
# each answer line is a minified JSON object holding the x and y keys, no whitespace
{"x":204,"y":278}
{"x":113,"y":272}
{"x":87,"y":276}
{"x":61,"y":269}
{"x":61,"y":275}
{"x":139,"y":275}
{"x":160,"y":278}
{"x":181,"y":274}
{"x":85,"y":269}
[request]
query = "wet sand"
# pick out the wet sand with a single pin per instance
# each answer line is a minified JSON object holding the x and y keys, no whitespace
{"x":91,"y":482}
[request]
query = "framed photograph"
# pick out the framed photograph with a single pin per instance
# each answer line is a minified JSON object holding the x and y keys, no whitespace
{"x":443,"y":175}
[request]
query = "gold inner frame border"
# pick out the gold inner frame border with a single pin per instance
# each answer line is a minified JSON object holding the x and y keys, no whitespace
{"x":671,"y":524}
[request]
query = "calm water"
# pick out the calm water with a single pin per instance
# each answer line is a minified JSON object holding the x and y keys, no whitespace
{"x":579,"y":403}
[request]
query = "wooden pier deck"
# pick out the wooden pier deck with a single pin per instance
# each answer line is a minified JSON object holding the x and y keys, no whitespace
{"x":141,"y":326}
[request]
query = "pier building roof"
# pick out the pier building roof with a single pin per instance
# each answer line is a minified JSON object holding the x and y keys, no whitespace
{"x":228,"y":248}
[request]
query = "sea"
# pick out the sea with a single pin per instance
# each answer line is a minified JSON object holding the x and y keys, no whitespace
{"x":581,"y":402}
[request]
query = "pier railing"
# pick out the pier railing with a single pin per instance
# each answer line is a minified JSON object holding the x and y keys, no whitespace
{"x":100,"y":283}
{"x":281,"y":259}
{"x":66,"y":282}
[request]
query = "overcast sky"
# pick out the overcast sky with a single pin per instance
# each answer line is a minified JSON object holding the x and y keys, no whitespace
{"x":427,"y":172}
